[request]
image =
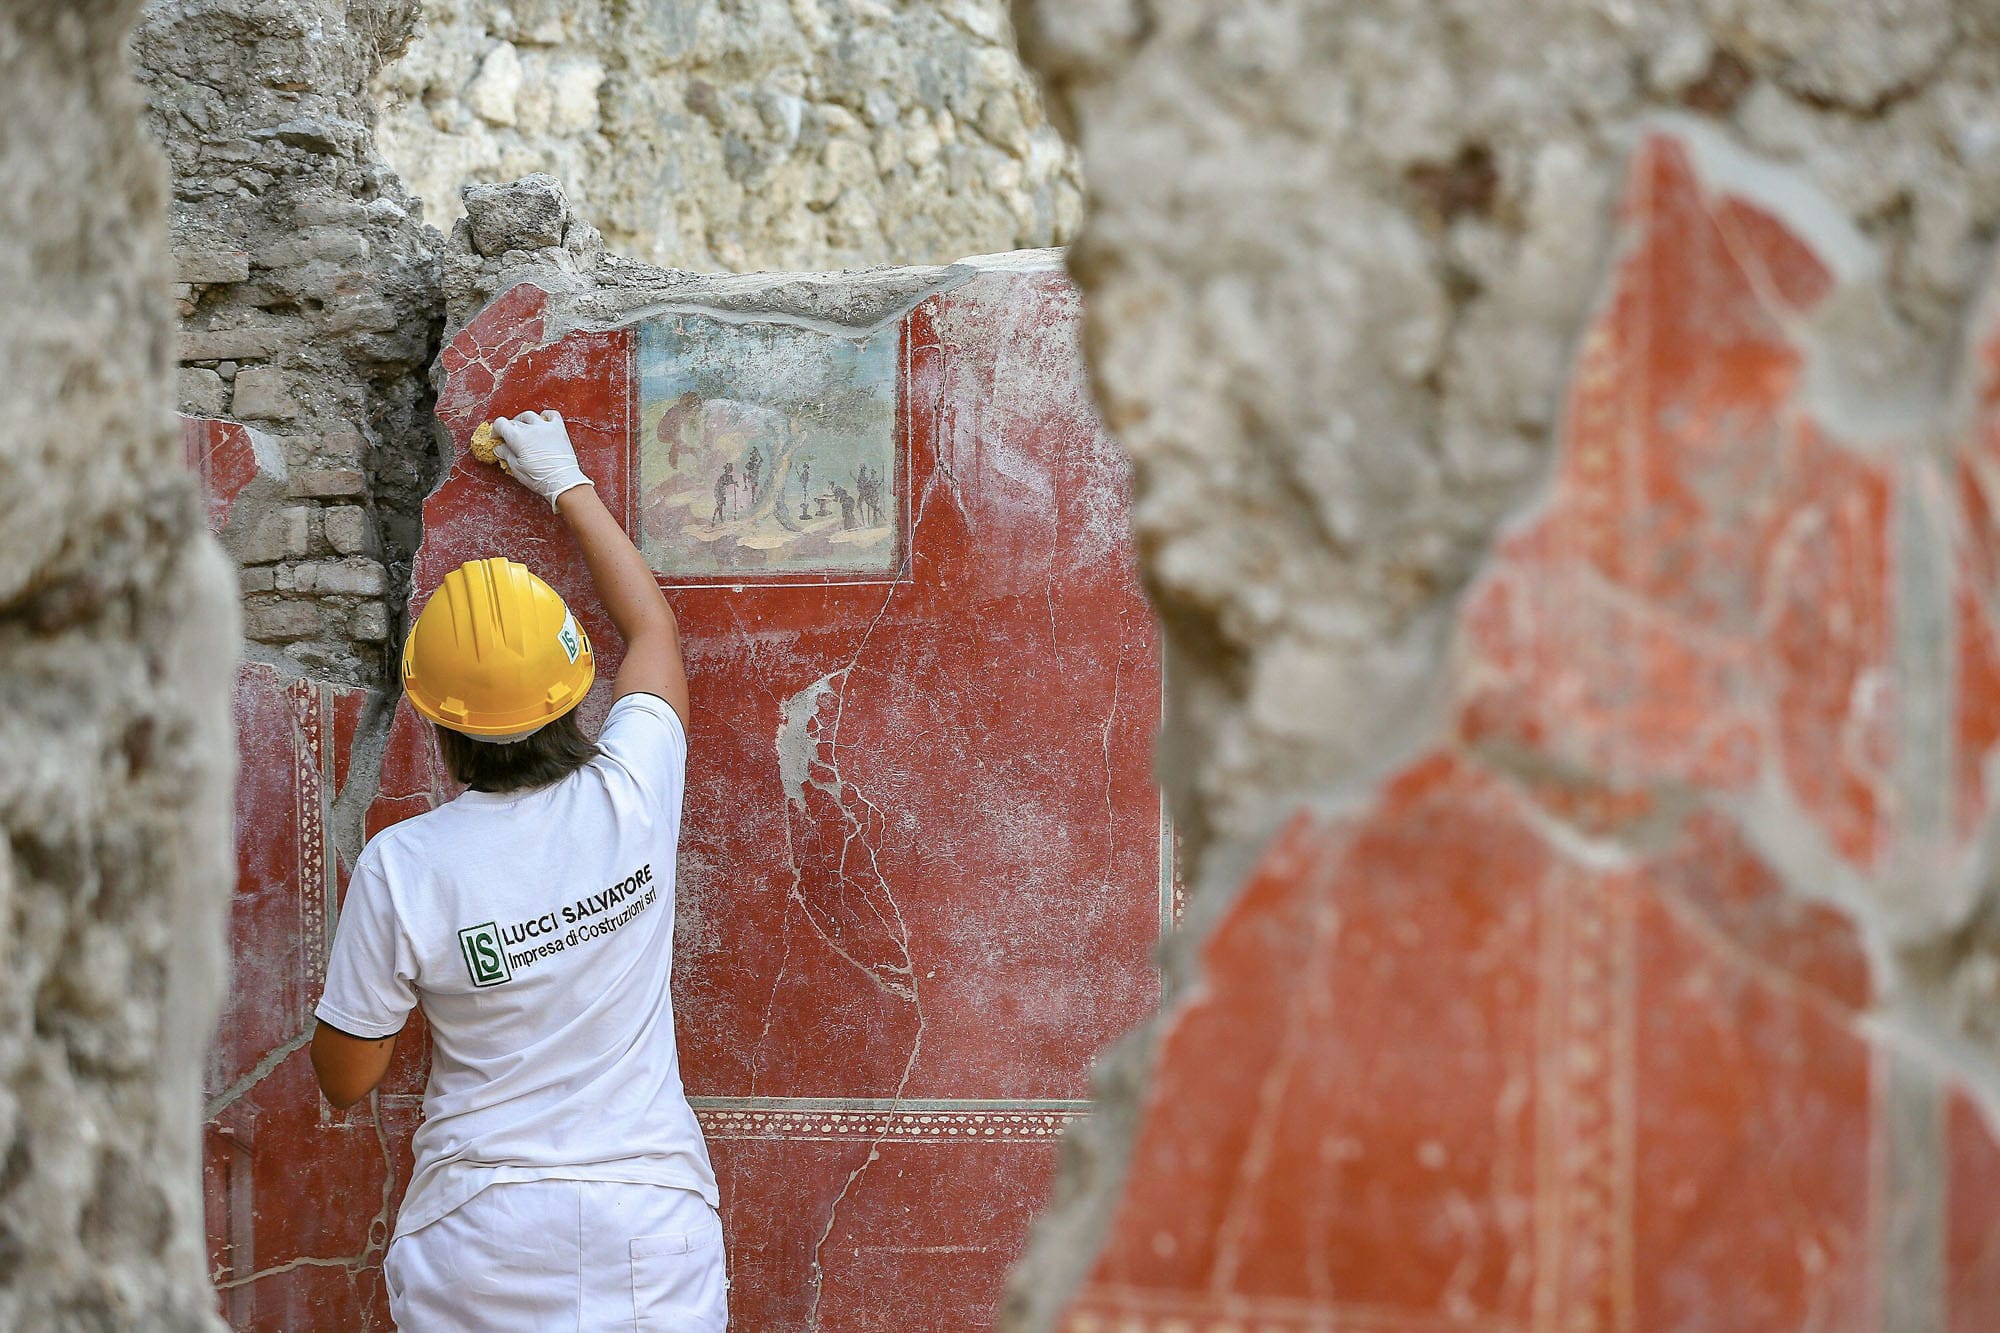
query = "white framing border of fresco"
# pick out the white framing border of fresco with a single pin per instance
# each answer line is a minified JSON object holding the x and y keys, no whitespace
{"x":901,"y":450}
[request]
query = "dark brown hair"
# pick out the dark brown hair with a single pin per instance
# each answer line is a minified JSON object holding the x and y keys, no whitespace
{"x":550,"y":755}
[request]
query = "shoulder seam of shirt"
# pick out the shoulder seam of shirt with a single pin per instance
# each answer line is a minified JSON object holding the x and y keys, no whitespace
{"x":670,"y":710}
{"x":395,"y":832}
{"x":381,"y":873}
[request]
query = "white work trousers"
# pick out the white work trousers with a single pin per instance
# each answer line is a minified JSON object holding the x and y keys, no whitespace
{"x":544,"y":1256}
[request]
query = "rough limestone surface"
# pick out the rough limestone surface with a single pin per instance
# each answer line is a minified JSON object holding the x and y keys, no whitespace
{"x":777,"y":134}
{"x":1337,"y":264}
{"x":307,"y":287}
{"x":519,"y":218}
{"x":117,"y":636}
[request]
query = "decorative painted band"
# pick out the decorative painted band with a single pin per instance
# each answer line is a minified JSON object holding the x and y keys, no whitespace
{"x":1118,"y":1309}
{"x":815,"y":1119}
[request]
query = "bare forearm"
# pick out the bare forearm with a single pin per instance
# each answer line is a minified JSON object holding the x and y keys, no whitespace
{"x":624,"y":582}
{"x":349,"y":1067}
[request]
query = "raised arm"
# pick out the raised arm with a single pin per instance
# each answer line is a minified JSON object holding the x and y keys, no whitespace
{"x":536,"y":449}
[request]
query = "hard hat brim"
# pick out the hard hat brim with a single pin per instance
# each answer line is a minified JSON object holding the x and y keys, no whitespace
{"x":505,"y":727}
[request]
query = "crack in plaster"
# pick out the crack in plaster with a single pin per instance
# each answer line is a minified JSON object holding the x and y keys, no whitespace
{"x":286,"y":1267}
{"x":377,"y":1234}
{"x":874,"y":1154}
{"x":262,"y":1070}
{"x":801,"y":748}
{"x":799,"y":731}
{"x":796,"y":760}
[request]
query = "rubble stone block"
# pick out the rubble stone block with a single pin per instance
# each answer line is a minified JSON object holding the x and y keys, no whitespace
{"x":245,"y":344}
{"x":353,"y":578}
{"x":263,"y":393}
{"x":496,"y":89}
{"x":370,"y":623}
{"x":270,"y":620}
{"x":204,"y":267}
{"x":573,"y":89}
{"x":526,"y":214}
{"x":347,"y":530}
{"x":363,"y":314}
{"x":329,"y":482}
{"x":342,"y":445}
{"x":201,"y":392}
{"x":277,"y":535}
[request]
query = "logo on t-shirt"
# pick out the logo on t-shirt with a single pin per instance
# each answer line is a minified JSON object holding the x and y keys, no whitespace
{"x":484,"y":958}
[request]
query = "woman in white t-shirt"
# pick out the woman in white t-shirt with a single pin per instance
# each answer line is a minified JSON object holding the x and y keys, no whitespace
{"x":560,"y":1179}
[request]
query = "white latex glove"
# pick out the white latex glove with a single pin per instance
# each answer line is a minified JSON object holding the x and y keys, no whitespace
{"x":536,"y":449}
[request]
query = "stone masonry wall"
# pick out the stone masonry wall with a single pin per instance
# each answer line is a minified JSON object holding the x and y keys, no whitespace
{"x":309,"y":305}
{"x":1359,"y":279}
{"x":116,"y":638}
{"x":770,"y":135}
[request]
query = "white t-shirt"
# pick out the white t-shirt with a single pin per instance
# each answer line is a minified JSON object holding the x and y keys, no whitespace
{"x":537,"y":931}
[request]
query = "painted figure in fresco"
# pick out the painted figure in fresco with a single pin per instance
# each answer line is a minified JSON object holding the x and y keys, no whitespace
{"x":532,"y":919}
{"x":753,"y":473}
{"x":868,"y":490}
{"x":725,"y":491}
{"x":680,"y":425}
{"x":841,"y":494}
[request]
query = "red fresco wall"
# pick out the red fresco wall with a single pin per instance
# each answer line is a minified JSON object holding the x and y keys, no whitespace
{"x":1612,"y":1074}
{"x":922,"y":864}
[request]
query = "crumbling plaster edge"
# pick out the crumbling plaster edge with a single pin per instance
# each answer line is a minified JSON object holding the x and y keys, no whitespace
{"x":615,"y":293}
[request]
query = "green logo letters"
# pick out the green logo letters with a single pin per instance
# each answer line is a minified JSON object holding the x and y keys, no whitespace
{"x":484,"y":958}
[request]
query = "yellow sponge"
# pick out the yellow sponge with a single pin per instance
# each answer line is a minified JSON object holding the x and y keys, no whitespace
{"x":482,"y":442}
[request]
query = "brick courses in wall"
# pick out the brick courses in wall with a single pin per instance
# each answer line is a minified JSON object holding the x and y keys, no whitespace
{"x":307,"y":287}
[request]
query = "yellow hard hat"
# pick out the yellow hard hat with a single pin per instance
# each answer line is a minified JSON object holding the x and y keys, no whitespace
{"x":496,"y":654}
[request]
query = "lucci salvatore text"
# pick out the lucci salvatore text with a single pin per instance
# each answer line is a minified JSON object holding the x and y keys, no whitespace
{"x":636,"y":884}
